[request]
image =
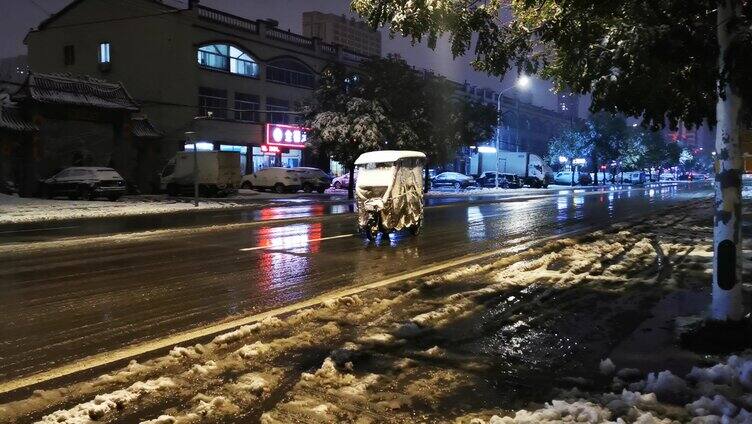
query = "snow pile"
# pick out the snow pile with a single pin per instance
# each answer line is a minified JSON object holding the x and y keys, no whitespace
{"x":218,"y":405}
{"x":101,"y":405}
{"x":665,"y":384}
{"x":717,"y":394}
{"x":559,"y":411}
{"x":607,"y":367}
{"x":15,"y":209}
{"x":247,"y":330}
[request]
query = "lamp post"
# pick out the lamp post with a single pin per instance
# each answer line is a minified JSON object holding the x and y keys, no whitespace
{"x":188,"y":138}
{"x":522,"y":83}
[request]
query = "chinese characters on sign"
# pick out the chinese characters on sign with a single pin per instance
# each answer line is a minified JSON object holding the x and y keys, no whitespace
{"x":270,"y":150}
{"x":291,"y":136}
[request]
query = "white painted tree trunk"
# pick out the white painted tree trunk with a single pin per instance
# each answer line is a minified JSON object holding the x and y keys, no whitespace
{"x":727,"y":242}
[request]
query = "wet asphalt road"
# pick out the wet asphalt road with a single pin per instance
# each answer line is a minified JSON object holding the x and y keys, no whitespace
{"x":61,"y":304}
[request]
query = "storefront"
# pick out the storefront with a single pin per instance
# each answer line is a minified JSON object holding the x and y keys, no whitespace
{"x":286,"y":159}
{"x":284,"y":148}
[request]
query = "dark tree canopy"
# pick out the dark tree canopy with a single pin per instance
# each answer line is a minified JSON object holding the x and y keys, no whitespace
{"x":656,"y":59}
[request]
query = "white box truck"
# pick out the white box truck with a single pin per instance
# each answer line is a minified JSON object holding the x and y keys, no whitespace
{"x":531,"y":169}
{"x":218,"y":173}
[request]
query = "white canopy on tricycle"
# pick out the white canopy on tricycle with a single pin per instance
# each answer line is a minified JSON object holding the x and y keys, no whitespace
{"x":390,"y":185}
{"x":383,"y":156}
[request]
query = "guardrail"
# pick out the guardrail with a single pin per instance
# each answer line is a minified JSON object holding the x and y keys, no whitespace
{"x":227,"y":19}
{"x":290,"y":37}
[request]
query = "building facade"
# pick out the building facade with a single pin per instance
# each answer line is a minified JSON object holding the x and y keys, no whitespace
{"x":218,"y":77}
{"x":351,"y":34}
{"x":524,"y":126}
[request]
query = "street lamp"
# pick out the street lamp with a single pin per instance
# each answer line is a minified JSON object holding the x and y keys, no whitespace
{"x":523,"y":82}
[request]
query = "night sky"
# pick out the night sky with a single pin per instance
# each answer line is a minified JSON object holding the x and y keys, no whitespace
{"x":18,"y":16}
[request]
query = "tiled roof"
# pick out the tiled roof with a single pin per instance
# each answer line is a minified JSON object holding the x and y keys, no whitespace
{"x":143,"y":128}
{"x":65,"y":89}
{"x":11,"y":120}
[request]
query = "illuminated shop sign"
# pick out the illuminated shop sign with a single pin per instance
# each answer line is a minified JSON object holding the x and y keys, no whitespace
{"x":271,"y":150}
{"x":281,"y":135}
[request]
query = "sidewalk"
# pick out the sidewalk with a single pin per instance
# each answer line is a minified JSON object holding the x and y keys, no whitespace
{"x":487,"y":343}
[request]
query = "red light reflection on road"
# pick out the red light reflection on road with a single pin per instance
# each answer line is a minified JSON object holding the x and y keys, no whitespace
{"x":287,"y":257}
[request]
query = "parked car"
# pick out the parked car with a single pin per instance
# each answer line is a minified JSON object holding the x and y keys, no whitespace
{"x":668,"y":177}
{"x":85,"y":183}
{"x":281,"y":180}
{"x":343,"y":181}
{"x":313,"y":179}
{"x":452,"y":179}
{"x":565,"y":178}
{"x":488,"y":179}
{"x":635,"y":177}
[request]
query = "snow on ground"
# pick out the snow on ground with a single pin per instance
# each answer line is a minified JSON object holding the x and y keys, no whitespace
{"x":14,"y":209}
{"x":494,"y":342}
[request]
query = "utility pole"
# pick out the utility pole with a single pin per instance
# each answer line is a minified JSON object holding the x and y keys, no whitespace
{"x":189,"y":138}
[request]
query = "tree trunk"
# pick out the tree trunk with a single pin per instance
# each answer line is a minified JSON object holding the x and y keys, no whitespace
{"x":572,"y":168}
{"x":427,"y":180}
{"x":351,"y":184}
{"x":727,"y":270}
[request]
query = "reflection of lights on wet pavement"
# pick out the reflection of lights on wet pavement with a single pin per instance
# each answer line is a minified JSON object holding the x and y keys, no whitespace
{"x":476,"y":227}
{"x":562,"y":202}
{"x":287,"y":265}
{"x":651,"y":192}
{"x":292,"y":212}
{"x":578,"y":200}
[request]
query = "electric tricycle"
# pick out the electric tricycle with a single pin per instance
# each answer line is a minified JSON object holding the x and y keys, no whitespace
{"x":389,"y":192}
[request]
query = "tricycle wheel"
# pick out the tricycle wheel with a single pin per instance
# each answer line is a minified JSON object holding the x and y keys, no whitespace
{"x":371,"y":232}
{"x":415,"y":228}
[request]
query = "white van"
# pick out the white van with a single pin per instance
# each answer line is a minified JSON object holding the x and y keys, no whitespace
{"x":218,"y":173}
{"x":281,"y":180}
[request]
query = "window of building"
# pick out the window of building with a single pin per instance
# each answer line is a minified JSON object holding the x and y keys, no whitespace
{"x":104,"y":53}
{"x":290,"y":72}
{"x":273,"y":104}
{"x":224,"y":57}
{"x":212,"y":100}
{"x":69,"y":55}
{"x":246,"y":107}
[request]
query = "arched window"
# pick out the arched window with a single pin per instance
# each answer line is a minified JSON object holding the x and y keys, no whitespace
{"x":225,"y":57}
{"x":290,"y":72}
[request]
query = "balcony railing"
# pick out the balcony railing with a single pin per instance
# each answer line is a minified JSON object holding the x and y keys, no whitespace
{"x":328,"y":48}
{"x":352,"y":56}
{"x":227,"y":19}
{"x":289,"y":37}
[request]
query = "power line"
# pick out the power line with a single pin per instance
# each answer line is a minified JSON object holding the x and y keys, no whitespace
{"x":40,"y":7}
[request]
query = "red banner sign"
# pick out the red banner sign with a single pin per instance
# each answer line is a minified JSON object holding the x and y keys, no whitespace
{"x":281,"y":135}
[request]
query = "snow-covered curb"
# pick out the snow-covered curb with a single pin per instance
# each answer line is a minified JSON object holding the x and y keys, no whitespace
{"x":15,"y":209}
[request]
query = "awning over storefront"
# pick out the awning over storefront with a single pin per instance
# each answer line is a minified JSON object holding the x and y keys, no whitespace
{"x":64,"y":89}
{"x":144,"y":128}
